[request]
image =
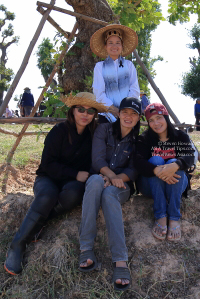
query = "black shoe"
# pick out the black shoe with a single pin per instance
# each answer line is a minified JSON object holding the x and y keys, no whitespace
{"x":31,"y":224}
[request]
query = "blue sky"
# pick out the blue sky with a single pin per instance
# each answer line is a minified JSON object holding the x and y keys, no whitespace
{"x":167,"y":40}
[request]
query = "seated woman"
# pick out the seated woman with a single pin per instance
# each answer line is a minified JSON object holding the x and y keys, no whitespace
{"x":61,"y":176}
{"x":113,"y":157}
{"x":164,"y":155}
{"x":114,"y":78}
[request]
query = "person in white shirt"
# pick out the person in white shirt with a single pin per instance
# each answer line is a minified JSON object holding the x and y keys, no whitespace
{"x":114,"y":78}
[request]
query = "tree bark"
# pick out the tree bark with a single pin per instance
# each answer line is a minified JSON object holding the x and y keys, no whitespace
{"x":81,"y":63}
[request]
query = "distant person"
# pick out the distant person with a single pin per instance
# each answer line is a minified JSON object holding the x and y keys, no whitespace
{"x":144,"y":100}
{"x":27,"y":101}
{"x":197,"y":113}
{"x":16,"y":113}
{"x":42,"y":108}
{"x":8,"y":112}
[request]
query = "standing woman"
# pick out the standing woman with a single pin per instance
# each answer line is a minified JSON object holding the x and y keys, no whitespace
{"x":164,"y":155}
{"x":115,"y":78}
{"x":61,"y":176}
{"x":113,"y":157}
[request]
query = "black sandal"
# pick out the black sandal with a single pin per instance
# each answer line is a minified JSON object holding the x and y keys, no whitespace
{"x":121,"y":273}
{"x":84,"y":256}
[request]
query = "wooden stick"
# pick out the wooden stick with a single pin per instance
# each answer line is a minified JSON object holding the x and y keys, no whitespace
{"x":11,"y":152}
{"x":25,"y":60}
{"x":52,"y":22}
{"x":72,"y":13}
{"x":25,"y":134}
{"x":154,"y":86}
{"x":31,"y":120}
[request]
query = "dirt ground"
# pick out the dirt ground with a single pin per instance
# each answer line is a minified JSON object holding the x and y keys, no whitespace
{"x":159,"y":269}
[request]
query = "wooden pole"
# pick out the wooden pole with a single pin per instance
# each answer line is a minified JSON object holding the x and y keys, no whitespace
{"x":11,"y":152}
{"x":31,"y":120}
{"x":72,"y":13}
{"x":154,"y":86}
{"x":26,"y":59}
{"x":52,"y":22}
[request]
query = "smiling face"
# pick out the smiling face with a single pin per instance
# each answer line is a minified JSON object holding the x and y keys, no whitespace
{"x":114,"y":47}
{"x":82,"y":119}
{"x":158,"y":124}
{"x":128,"y":118}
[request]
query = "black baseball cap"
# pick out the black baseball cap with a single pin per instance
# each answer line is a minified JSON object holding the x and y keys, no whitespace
{"x":131,"y":103}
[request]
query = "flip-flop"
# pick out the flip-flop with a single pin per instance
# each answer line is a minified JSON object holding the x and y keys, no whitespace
{"x":121,"y":273}
{"x":84,"y":256}
{"x":163,"y":228}
{"x":173,"y":229}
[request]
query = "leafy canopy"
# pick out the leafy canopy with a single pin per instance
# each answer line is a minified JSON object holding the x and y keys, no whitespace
{"x":180,"y":10}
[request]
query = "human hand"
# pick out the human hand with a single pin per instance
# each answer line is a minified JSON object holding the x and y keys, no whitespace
{"x":173,"y":179}
{"x":168,"y":171}
{"x":158,"y":169}
{"x":82,"y":176}
{"x":117,"y":182}
{"x":107,"y":181}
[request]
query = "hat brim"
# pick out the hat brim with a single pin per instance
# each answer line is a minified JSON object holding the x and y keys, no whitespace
{"x":85,"y":99}
{"x":129,"y":38}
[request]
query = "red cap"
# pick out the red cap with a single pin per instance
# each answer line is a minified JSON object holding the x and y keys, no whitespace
{"x":157,"y":109}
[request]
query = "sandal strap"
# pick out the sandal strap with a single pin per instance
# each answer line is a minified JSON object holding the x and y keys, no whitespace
{"x":85,"y":255}
{"x":121,"y":273}
{"x":174,"y":228}
{"x":159,"y":225}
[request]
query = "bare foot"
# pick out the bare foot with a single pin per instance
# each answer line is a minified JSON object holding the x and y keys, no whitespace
{"x":160,"y":228}
{"x":122,"y":281}
{"x":174,"y":231}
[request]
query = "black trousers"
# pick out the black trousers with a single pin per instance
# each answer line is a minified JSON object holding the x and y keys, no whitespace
{"x":48,"y":194}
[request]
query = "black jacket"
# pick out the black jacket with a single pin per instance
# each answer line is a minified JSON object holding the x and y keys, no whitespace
{"x":62,"y":160}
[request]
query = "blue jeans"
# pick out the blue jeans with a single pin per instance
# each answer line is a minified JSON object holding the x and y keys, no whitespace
{"x":166,"y":197}
{"x":110,"y":199}
{"x":48,"y":194}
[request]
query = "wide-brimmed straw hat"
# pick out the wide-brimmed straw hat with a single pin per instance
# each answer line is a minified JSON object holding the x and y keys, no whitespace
{"x":84,"y":99}
{"x":126,"y":34}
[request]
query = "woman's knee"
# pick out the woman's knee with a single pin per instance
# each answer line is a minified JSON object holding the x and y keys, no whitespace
{"x":95,"y":182}
{"x":71,"y":194}
{"x":157,"y":160}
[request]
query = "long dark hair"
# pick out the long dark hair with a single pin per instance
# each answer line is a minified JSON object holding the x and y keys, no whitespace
{"x":117,"y":129}
{"x":71,"y":121}
{"x":171,"y":131}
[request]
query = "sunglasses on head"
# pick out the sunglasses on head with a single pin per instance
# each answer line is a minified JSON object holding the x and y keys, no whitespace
{"x":90,"y":111}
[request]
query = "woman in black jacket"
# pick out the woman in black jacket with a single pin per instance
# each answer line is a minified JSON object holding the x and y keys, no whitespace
{"x":164,"y":155}
{"x":61,"y":176}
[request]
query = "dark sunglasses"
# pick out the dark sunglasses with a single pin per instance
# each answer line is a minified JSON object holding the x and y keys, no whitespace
{"x":90,"y":111}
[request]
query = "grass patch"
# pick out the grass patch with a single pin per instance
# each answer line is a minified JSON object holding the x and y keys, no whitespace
{"x":30,"y":147}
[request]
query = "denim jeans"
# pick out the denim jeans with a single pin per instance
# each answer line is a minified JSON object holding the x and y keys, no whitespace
{"x":166,"y":197}
{"x":110,"y":199}
{"x":48,"y":193}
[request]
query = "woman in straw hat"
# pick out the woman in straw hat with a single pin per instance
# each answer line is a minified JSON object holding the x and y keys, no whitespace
{"x":164,"y":156}
{"x":113,"y":157}
{"x":61,"y":176}
{"x":114,"y":78}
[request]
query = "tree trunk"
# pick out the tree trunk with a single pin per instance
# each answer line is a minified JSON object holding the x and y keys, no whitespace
{"x":81,"y":63}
